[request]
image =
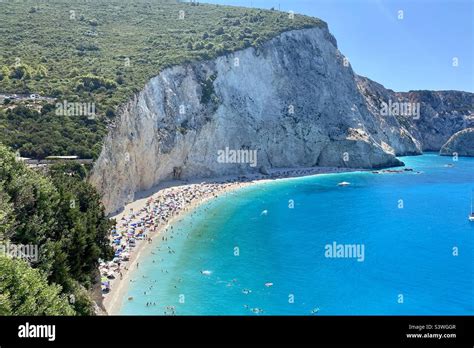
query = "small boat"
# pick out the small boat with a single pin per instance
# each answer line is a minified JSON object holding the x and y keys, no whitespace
{"x":265,"y":212}
{"x":268,"y":284}
{"x":257,"y":310}
{"x":344,"y":183}
{"x":206,"y":272}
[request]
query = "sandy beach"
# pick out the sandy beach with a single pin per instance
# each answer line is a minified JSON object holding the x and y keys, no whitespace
{"x":140,"y":223}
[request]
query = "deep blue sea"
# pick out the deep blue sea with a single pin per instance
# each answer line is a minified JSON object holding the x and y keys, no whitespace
{"x":418,"y":248}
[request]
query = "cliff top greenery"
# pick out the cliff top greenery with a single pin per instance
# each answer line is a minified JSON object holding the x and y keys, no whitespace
{"x":104,"y":51}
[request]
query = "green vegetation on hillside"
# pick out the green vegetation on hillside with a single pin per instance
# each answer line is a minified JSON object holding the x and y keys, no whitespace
{"x":104,"y":51}
{"x":25,"y":291}
{"x":39,"y":134}
{"x":61,"y":214}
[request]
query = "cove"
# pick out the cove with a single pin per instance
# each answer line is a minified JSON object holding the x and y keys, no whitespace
{"x":227,"y":258}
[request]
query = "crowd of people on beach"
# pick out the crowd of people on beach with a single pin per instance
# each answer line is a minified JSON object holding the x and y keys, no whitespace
{"x":140,"y":225}
{"x":137,"y":226}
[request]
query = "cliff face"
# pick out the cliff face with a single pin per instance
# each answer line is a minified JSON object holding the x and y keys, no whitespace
{"x":293,"y":102}
{"x":398,"y":129}
{"x":461,"y":143}
{"x":441,"y":113}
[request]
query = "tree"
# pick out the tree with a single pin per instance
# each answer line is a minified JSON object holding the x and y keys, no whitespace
{"x":25,"y":291}
{"x":91,"y":83}
{"x":20,"y":72}
{"x":41,"y":71}
{"x":62,"y":215}
{"x":6,"y":214}
{"x":4,"y":73}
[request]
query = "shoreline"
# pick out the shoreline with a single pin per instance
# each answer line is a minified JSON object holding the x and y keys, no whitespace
{"x":201,"y":191}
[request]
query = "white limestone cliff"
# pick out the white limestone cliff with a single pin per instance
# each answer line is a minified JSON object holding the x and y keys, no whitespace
{"x":460,"y":144}
{"x":293,"y":100}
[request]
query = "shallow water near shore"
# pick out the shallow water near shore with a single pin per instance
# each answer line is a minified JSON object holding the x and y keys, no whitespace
{"x":407,"y":224}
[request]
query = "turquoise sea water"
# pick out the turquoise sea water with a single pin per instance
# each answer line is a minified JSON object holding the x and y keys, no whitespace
{"x":407,"y":223}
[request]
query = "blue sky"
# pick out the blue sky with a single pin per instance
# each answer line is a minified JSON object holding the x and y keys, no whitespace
{"x":413,"y":53}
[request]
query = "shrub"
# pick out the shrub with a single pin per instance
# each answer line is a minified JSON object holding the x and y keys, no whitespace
{"x":91,"y":83}
{"x":25,"y":291}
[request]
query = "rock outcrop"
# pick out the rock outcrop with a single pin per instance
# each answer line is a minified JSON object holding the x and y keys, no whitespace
{"x":397,"y":129}
{"x":441,"y":114}
{"x":461,"y":143}
{"x":292,"y":102}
